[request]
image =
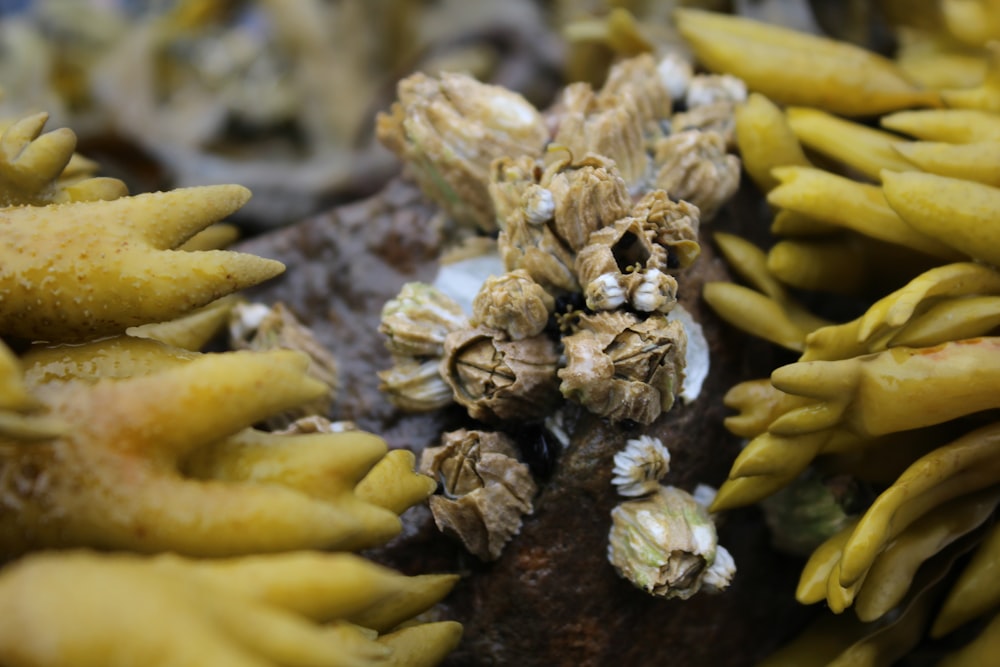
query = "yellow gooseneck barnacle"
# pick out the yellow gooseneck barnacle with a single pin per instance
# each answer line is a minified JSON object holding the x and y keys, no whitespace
{"x":83,"y":270}
{"x":796,"y":68}
{"x":956,"y":126}
{"x":977,"y":591}
{"x":766,"y":140}
{"x":298,"y":610}
{"x":38,"y":169}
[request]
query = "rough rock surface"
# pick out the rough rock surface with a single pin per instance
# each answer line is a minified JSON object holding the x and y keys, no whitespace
{"x":552,"y":598}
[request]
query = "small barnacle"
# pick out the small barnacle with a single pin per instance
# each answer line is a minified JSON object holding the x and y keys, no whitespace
{"x":694,"y":166}
{"x":416,"y":322}
{"x":415,"y":386}
{"x":546,"y":217}
{"x":640,"y":466}
{"x":450,"y":129}
{"x":666,"y":544}
{"x":486,"y":490}
{"x":673,"y":225}
{"x":259,"y":327}
{"x":622,"y":263}
{"x":606,"y":125}
{"x":496,"y":378}
{"x":620,"y":367}
{"x":513,"y":303}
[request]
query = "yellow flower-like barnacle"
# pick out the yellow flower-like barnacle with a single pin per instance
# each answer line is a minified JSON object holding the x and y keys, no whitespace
{"x":38,"y":169}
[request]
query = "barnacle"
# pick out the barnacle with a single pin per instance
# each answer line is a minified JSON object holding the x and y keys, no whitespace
{"x":451,"y":129}
{"x":260,"y":327}
{"x":666,"y":544}
{"x":640,"y":466}
{"x":496,"y":378}
{"x":514,"y":304}
{"x":694,"y":166}
{"x":622,"y":368}
{"x":486,"y":490}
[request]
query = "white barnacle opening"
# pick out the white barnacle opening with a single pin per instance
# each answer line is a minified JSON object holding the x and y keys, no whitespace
{"x":696,"y":354}
{"x":605,"y":292}
{"x":675,"y":73}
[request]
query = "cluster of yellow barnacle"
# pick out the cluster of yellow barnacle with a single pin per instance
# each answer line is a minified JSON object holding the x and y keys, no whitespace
{"x":137,"y":444}
{"x":905,"y":216}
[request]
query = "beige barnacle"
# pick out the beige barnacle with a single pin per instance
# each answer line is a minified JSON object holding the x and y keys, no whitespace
{"x":640,"y":466}
{"x":666,"y":544}
{"x":546,"y":216}
{"x":608,"y":125}
{"x":673,"y":225}
{"x":711,"y":102}
{"x":260,"y":327}
{"x":513,"y":303}
{"x":449,"y":130}
{"x":640,"y":79}
{"x":415,"y":385}
{"x":620,"y":367}
{"x":486,"y":491}
{"x":622,"y":264}
{"x":416,"y":322}
{"x":496,"y":378}
{"x":694,"y":166}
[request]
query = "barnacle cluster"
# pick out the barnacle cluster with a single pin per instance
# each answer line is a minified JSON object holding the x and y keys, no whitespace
{"x":898,"y":399}
{"x":597,"y":205}
{"x":593,"y":231}
{"x":114,"y":441}
{"x":663,"y":539}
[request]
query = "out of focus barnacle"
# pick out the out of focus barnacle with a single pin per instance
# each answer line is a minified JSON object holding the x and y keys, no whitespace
{"x":38,"y":169}
{"x":621,"y":367}
{"x":449,"y":130}
{"x":544,"y":222}
{"x":514,"y":304}
{"x":666,"y":544}
{"x":694,"y":166}
{"x":498,"y":378}
{"x":107,"y":265}
{"x":640,"y":466}
{"x":605,"y":125}
{"x":711,"y":102}
{"x":416,"y":322}
{"x":260,"y":327}
{"x":646,"y":84}
{"x":622,"y":264}
{"x":486,"y":490}
{"x":416,"y":385}
{"x":675,"y":71}
{"x":22,"y":416}
{"x":809,"y":511}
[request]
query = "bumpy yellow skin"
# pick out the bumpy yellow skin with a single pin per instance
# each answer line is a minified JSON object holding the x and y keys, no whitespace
{"x":300,"y":610}
{"x":83,"y":270}
{"x":163,"y":461}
